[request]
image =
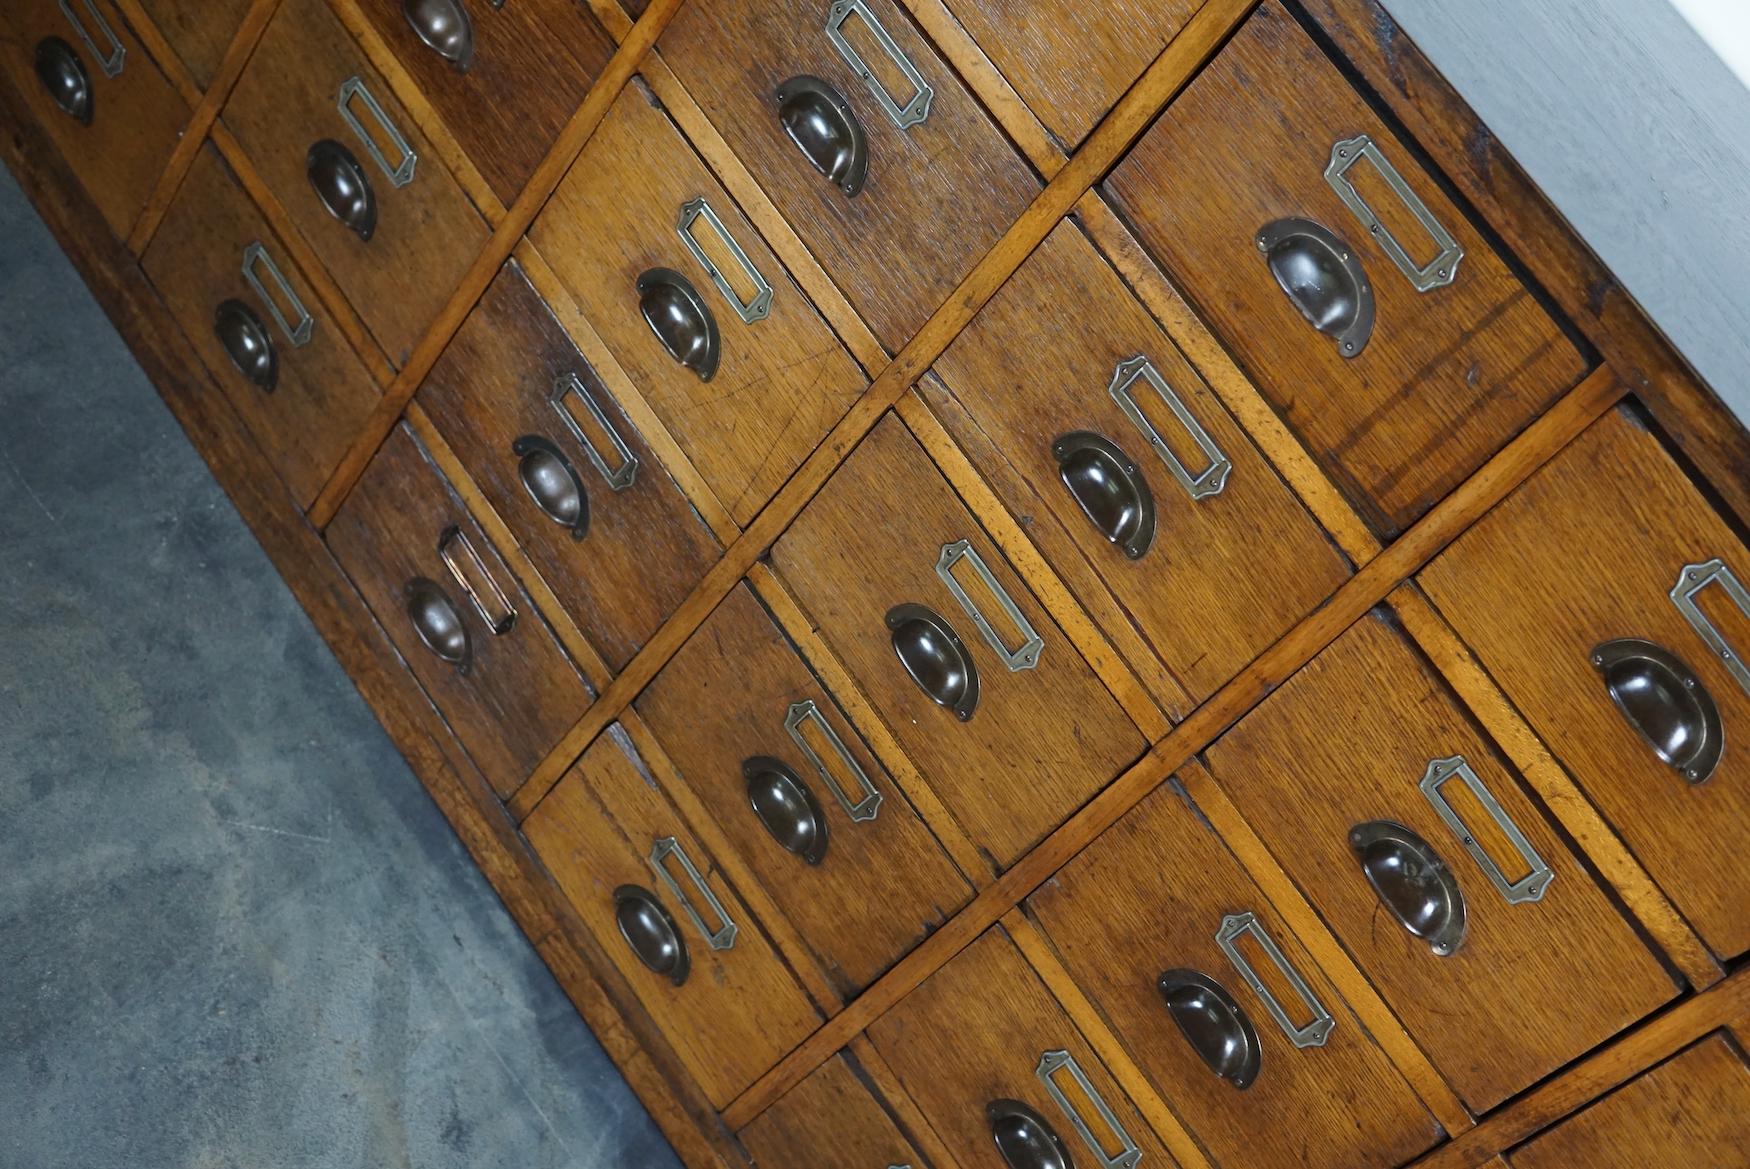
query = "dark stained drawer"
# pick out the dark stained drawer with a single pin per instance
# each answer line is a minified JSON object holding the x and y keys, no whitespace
{"x":198,"y":30}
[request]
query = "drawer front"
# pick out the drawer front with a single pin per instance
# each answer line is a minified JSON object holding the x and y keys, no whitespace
{"x":505,"y":77}
{"x":112,"y":114}
{"x":755,"y":393}
{"x":934,"y":196}
{"x":463,"y":624}
{"x":831,"y":1120}
{"x":1394,"y":789}
{"x":1011,"y":741}
{"x":1229,"y":187}
{"x":566,"y":470}
{"x":840,"y":850}
{"x":400,"y":234}
{"x":251,"y":314}
{"x":713,"y":984}
{"x":982,"y":1047}
{"x":198,"y":30}
{"x":1693,"y":1111}
{"x":1588,"y":552}
{"x":1205,"y":548}
{"x":1158,"y":923}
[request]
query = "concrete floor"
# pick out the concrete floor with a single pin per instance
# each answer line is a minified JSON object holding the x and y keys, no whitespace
{"x":234,"y":931}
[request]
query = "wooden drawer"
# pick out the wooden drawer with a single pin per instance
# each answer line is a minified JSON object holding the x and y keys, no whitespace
{"x":1158,"y":902}
{"x":831,"y":1120}
{"x":610,"y":533}
{"x":122,"y":117}
{"x":198,"y":30}
{"x":287,"y":111}
{"x":1028,"y":733}
{"x":232,"y":285}
{"x":1363,"y":766}
{"x":1692,"y":1111}
{"x":935,"y":195}
{"x":762,"y":391}
{"x":1589,"y":551}
{"x":505,"y":77}
{"x":1238,"y":164}
{"x":723,"y":997}
{"x":1229,"y":559}
{"x":462,"y":622}
{"x":982,"y":1036}
{"x":860,"y":878}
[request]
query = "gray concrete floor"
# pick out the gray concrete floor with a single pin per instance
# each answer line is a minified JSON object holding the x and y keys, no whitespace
{"x":234,"y":930}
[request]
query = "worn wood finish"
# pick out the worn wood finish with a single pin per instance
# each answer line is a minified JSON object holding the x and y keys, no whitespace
{"x":884,"y":883}
{"x":1042,"y":740}
{"x":1351,"y":735}
{"x":832,"y":1120}
{"x":1448,"y":375}
{"x":1018,"y":387}
{"x":1148,"y":896}
{"x":198,"y":30}
{"x":781,"y":382}
{"x":518,"y":691}
{"x":1588,"y":550}
{"x":323,"y":390}
{"x":740,"y":1007}
{"x":939,"y":194}
{"x":644,"y":548}
{"x":427,"y":232}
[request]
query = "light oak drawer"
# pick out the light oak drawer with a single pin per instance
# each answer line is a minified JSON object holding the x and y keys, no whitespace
{"x":1230,"y":189}
{"x":566,"y":470}
{"x":1170,"y":938}
{"x":198,"y":30}
{"x":462,"y":622}
{"x":505,"y":75}
{"x":832,"y":840}
{"x":325,"y":132}
{"x":707,"y":975}
{"x":989,"y":1057}
{"x":1176,"y":526}
{"x":747,"y":380}
{"x":934,"y":196}
{"x":251,"y":314}
{"x":1010,"y":727}
{"x":1363,"y":773}
{"x":1594,"y":549}
{"x":832,"y":1120}
{"x":112,"y":115}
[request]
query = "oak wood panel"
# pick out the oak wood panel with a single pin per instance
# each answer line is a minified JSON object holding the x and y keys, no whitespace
{"x":427,"y":232}
{"x":1041,"y":741}
{"x":975,"y":1033}
{"x":1589,"y":550}
{"x":198,"y":30}
{"x":1228,"y":574}
{"x":519,"y":691}
{"x":323,"y":390}
{"x":1346,"y":741}
{"x":832,"y":1120}
{"x":645,"y":547}
{"x":739,"y":1008}
{"x":1149,"y":896}
{"x":1448,"y":376}
{"x":781,"y":382}
{"x":939,"y":195}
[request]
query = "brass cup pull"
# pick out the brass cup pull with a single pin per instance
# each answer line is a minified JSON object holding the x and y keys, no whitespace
{"x":553,"y":483}
{"x":1217,"y":1028}
{"x":935,"y":657}
{"x":1667,"y":705}
{"x":1024,"y":1139}
{"x":438,"y":622}
{"x":444,"y":27}
{"x":681,"y":320}
{"x":341,"y":185}
{"x":786,"y":807}
{"x":1109,"y":489}
{"x":825,"y":129}
{"x":650,"y":933}
{"x":1412,"y":882}
{"x":248,"y":344}
{"x":63,"y":75}
{"x":1322,"y":278}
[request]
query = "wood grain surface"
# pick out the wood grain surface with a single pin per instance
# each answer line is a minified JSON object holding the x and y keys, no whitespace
{"x":831,"y":1120}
